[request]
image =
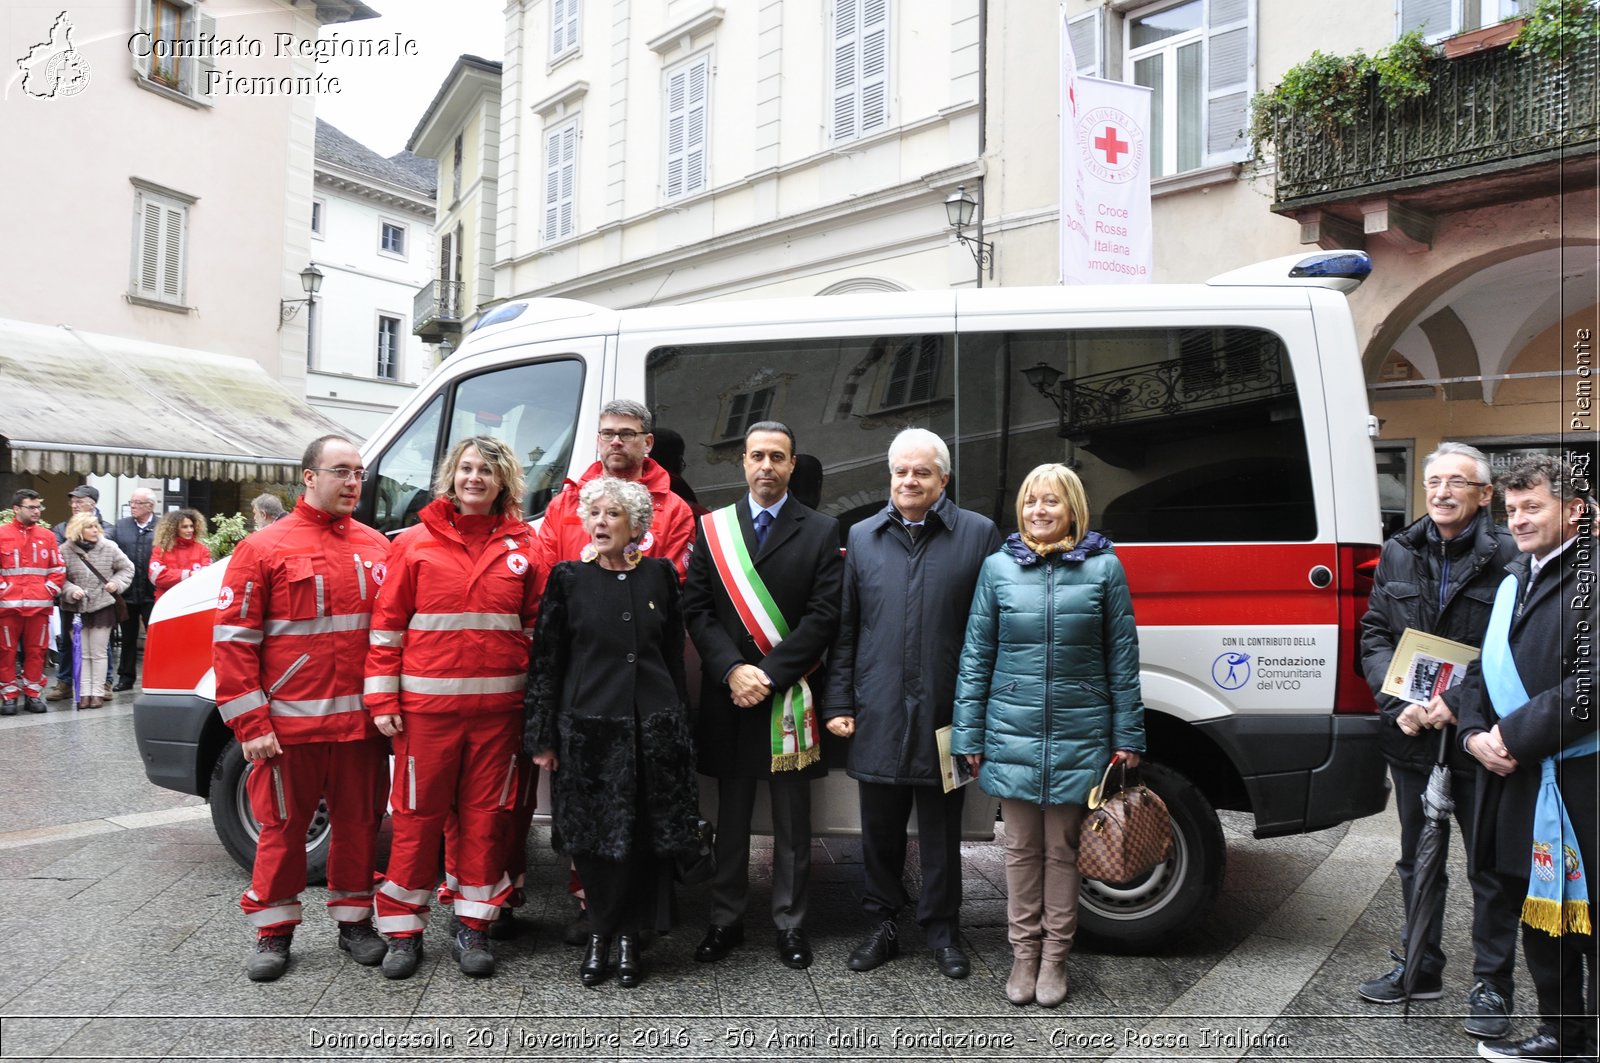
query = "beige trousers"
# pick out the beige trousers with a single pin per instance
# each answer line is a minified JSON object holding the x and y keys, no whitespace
{"x":92,"y":670}
{"x":1041,"y":878}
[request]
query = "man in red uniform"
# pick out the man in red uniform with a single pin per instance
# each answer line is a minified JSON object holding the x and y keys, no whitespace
{"x":290,"y":644}
{"x":624,"y":443}
{"x":31,"y":575}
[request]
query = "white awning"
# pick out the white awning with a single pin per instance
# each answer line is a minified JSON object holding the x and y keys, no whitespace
{"x":82,"y":402}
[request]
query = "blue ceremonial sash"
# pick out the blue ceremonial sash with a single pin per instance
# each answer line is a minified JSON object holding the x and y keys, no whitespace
{"x":1558,"y":897}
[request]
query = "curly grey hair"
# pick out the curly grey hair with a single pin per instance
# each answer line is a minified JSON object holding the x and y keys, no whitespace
{"x":634,"y":498}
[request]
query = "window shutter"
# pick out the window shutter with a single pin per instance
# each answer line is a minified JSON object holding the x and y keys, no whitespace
{"x":144,"y":20}
{"x":149,"y":280}
{"x":1230,"y":77}
{"x":159,"y":273}
{"x":552,"y":183}
{"x":569,"y":179}
{"x":201,"y":66}
{"x":558,"y":26}
{"x":1435,"y":18}
{"x":1084,"y":32}
{"x":677,"y":93}
{"x":846,"y":79}
{"x":694,"y":146}
{"x":874,"y":65}
{"x":560,"y":182}
{"x":172,"y":255}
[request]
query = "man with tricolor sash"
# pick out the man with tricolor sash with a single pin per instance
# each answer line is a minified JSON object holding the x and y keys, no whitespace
{"x":762,"y":605}
{"x":1528,"y":718}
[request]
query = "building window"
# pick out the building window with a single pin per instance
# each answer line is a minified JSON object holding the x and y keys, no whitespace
{"x":564,"y":16}
{"x":560,"y":181}
{"x":392,"y":239}
{"x":316,"y":217}
{"x":459,"y":156}
{"x":1084,"y":32}
{"x":1198,"y":60}
{"x":913,"y":374}
{"x":688,"y":117}
{"x":745,"y":409}
{"x":160,"y":246}
{"x":388,"y":347}
{"x":860,"y":67}
{"x":1438,"y":19}
{"x":167,"y":49}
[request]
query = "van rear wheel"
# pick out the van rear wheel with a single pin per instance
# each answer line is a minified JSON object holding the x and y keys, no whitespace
{"x":236,"y":824}
{"x":1158,"y":908}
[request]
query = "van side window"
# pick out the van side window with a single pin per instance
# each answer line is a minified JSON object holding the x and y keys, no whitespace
{"x":845,"y":398}
{"x":1179,"y":435}
{"x":532,"y":407}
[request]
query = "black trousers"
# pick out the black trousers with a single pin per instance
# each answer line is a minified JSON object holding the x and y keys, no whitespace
{"x":621,"y":895}
{"x":885,"y":811}
{"x":791,"y":849}
{"x":1496,"y":899}
{"x":128,"y":657}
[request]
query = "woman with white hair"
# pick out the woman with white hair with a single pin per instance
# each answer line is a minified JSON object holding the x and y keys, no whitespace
{"x":607,"y":713}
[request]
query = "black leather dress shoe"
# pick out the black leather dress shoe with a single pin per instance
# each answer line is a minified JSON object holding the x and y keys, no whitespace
{"x":123,"y":684}
{"x":952,"y":962}
{"x":794,"y":950}
{"x":718,"y":942}
{"x":1541,"y":1046}
{"x":629,"y":974}
{"x":881,"y":946}
{"x":592,"y":971}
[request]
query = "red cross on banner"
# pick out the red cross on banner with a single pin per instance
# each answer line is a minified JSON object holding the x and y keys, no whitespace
{"x":1112,"y":145}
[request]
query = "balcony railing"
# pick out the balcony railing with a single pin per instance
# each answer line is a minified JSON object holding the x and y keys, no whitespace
{"x":436,"y":310}
{"x":1487,"y":113}
{"x":1171,"y":389}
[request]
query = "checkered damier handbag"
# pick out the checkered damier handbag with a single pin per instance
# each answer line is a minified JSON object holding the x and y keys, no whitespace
{"x":1125,"y":833}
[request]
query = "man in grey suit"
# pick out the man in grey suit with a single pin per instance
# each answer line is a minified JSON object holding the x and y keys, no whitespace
{"x":762,"y":605}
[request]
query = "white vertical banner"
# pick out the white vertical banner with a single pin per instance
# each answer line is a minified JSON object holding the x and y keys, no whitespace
{"x":1074,"y":216}
{"x":1105,"y":179}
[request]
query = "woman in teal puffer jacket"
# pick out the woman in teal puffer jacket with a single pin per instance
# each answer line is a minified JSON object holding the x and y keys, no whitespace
{"x":1048,"y":688}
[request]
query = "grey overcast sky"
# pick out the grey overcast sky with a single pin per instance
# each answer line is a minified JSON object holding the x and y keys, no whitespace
{"x":381,"y":100}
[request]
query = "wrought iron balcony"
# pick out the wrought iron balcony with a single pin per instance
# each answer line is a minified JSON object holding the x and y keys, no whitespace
{"x":1173,"y":391}
{"x":1497,"y":125}
{"x":436,"y":311}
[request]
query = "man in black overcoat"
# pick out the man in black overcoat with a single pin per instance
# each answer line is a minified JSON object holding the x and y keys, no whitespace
{"x":1551,"y":636}
{"x":796,"y":555}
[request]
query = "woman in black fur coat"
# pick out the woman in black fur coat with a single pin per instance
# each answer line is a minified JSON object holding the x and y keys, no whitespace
{"x":607,"y":713}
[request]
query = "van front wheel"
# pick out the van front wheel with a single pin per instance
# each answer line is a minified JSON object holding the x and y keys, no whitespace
{"x":236,"y":824}
{"x":1157,"y":908}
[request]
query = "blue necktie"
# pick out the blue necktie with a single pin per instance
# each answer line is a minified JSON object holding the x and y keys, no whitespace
{"x":763,"y":522}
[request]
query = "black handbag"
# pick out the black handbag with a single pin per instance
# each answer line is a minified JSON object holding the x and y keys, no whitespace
{"x":698,"y":862}
{"x":116,"y":596}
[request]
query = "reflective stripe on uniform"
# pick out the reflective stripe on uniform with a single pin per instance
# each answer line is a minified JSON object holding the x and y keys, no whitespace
{"x":322,"y":625}
{"x":465,"y":622}
{"x":225,"y":633}
{"x":344,"y":895}
{"x":378,"y":637}
{"x":496,"y":684}
{"x":381,"y":684}
{"x":29,"y":571}
{"x":400,"y":924}
{"x":283,"y":913}
{"x":476,"y":909}
{"x":26,"y":603}
{"x":415,"y":898}
{"x":484,"y":893}
{"x":318,"y":706}
{"x":250,"y":699}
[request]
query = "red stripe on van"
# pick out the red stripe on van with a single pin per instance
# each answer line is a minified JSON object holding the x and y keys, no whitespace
{"x":1232,"y":585}
{"x":177,"y":651}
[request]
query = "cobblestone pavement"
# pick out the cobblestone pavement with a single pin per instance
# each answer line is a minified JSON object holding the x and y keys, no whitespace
{"x":122,"y":939}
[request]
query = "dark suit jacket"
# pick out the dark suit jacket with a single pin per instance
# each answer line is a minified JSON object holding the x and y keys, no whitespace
{"x":801,"y":566}
{"x":1553,"y":653}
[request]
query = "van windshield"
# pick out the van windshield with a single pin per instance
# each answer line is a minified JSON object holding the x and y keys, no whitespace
{"x":1179,"y":434}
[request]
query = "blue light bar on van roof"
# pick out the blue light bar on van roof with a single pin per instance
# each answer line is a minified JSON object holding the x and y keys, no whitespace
{"x":509,"y":312}
{"x":1350,"y":265}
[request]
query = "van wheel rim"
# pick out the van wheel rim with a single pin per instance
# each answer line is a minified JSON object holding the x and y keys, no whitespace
{"x":316,"y":831}
{"x":1145,"y":895}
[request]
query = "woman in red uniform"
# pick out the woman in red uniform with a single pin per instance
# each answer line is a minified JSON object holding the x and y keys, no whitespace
{"x":445,"y":676}
{"x":179,"y":550}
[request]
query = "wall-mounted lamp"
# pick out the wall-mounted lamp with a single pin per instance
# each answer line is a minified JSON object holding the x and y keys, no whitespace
{"x":311,"y":282}
{"x":959,"y":208}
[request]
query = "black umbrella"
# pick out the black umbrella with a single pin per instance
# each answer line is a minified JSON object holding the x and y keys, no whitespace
{"x":1426,"y":904}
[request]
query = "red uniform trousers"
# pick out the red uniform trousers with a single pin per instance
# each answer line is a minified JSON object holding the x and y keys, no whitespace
{"x":448,"y":762}
{"x":284,"y":794}
{"x":31,"y":631}
{"x":514,"y":844}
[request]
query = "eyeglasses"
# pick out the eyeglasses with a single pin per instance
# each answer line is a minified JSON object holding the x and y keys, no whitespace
{"x":35,"y":505}
{"x":1455,"y":483}
{"x":140,"y":502}
{"x":344,"y":474}
{"x":627,"y":435}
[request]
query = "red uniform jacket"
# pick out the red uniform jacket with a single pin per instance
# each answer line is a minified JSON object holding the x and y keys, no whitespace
{"x":450,"y":633}
{"x":169,"y":567}
{"x":671,"y":533}
{"x":291,"y":634}
{"x":31,"y":572}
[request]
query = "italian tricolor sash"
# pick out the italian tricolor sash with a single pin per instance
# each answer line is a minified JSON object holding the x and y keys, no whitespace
{"x":796,"y":739}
